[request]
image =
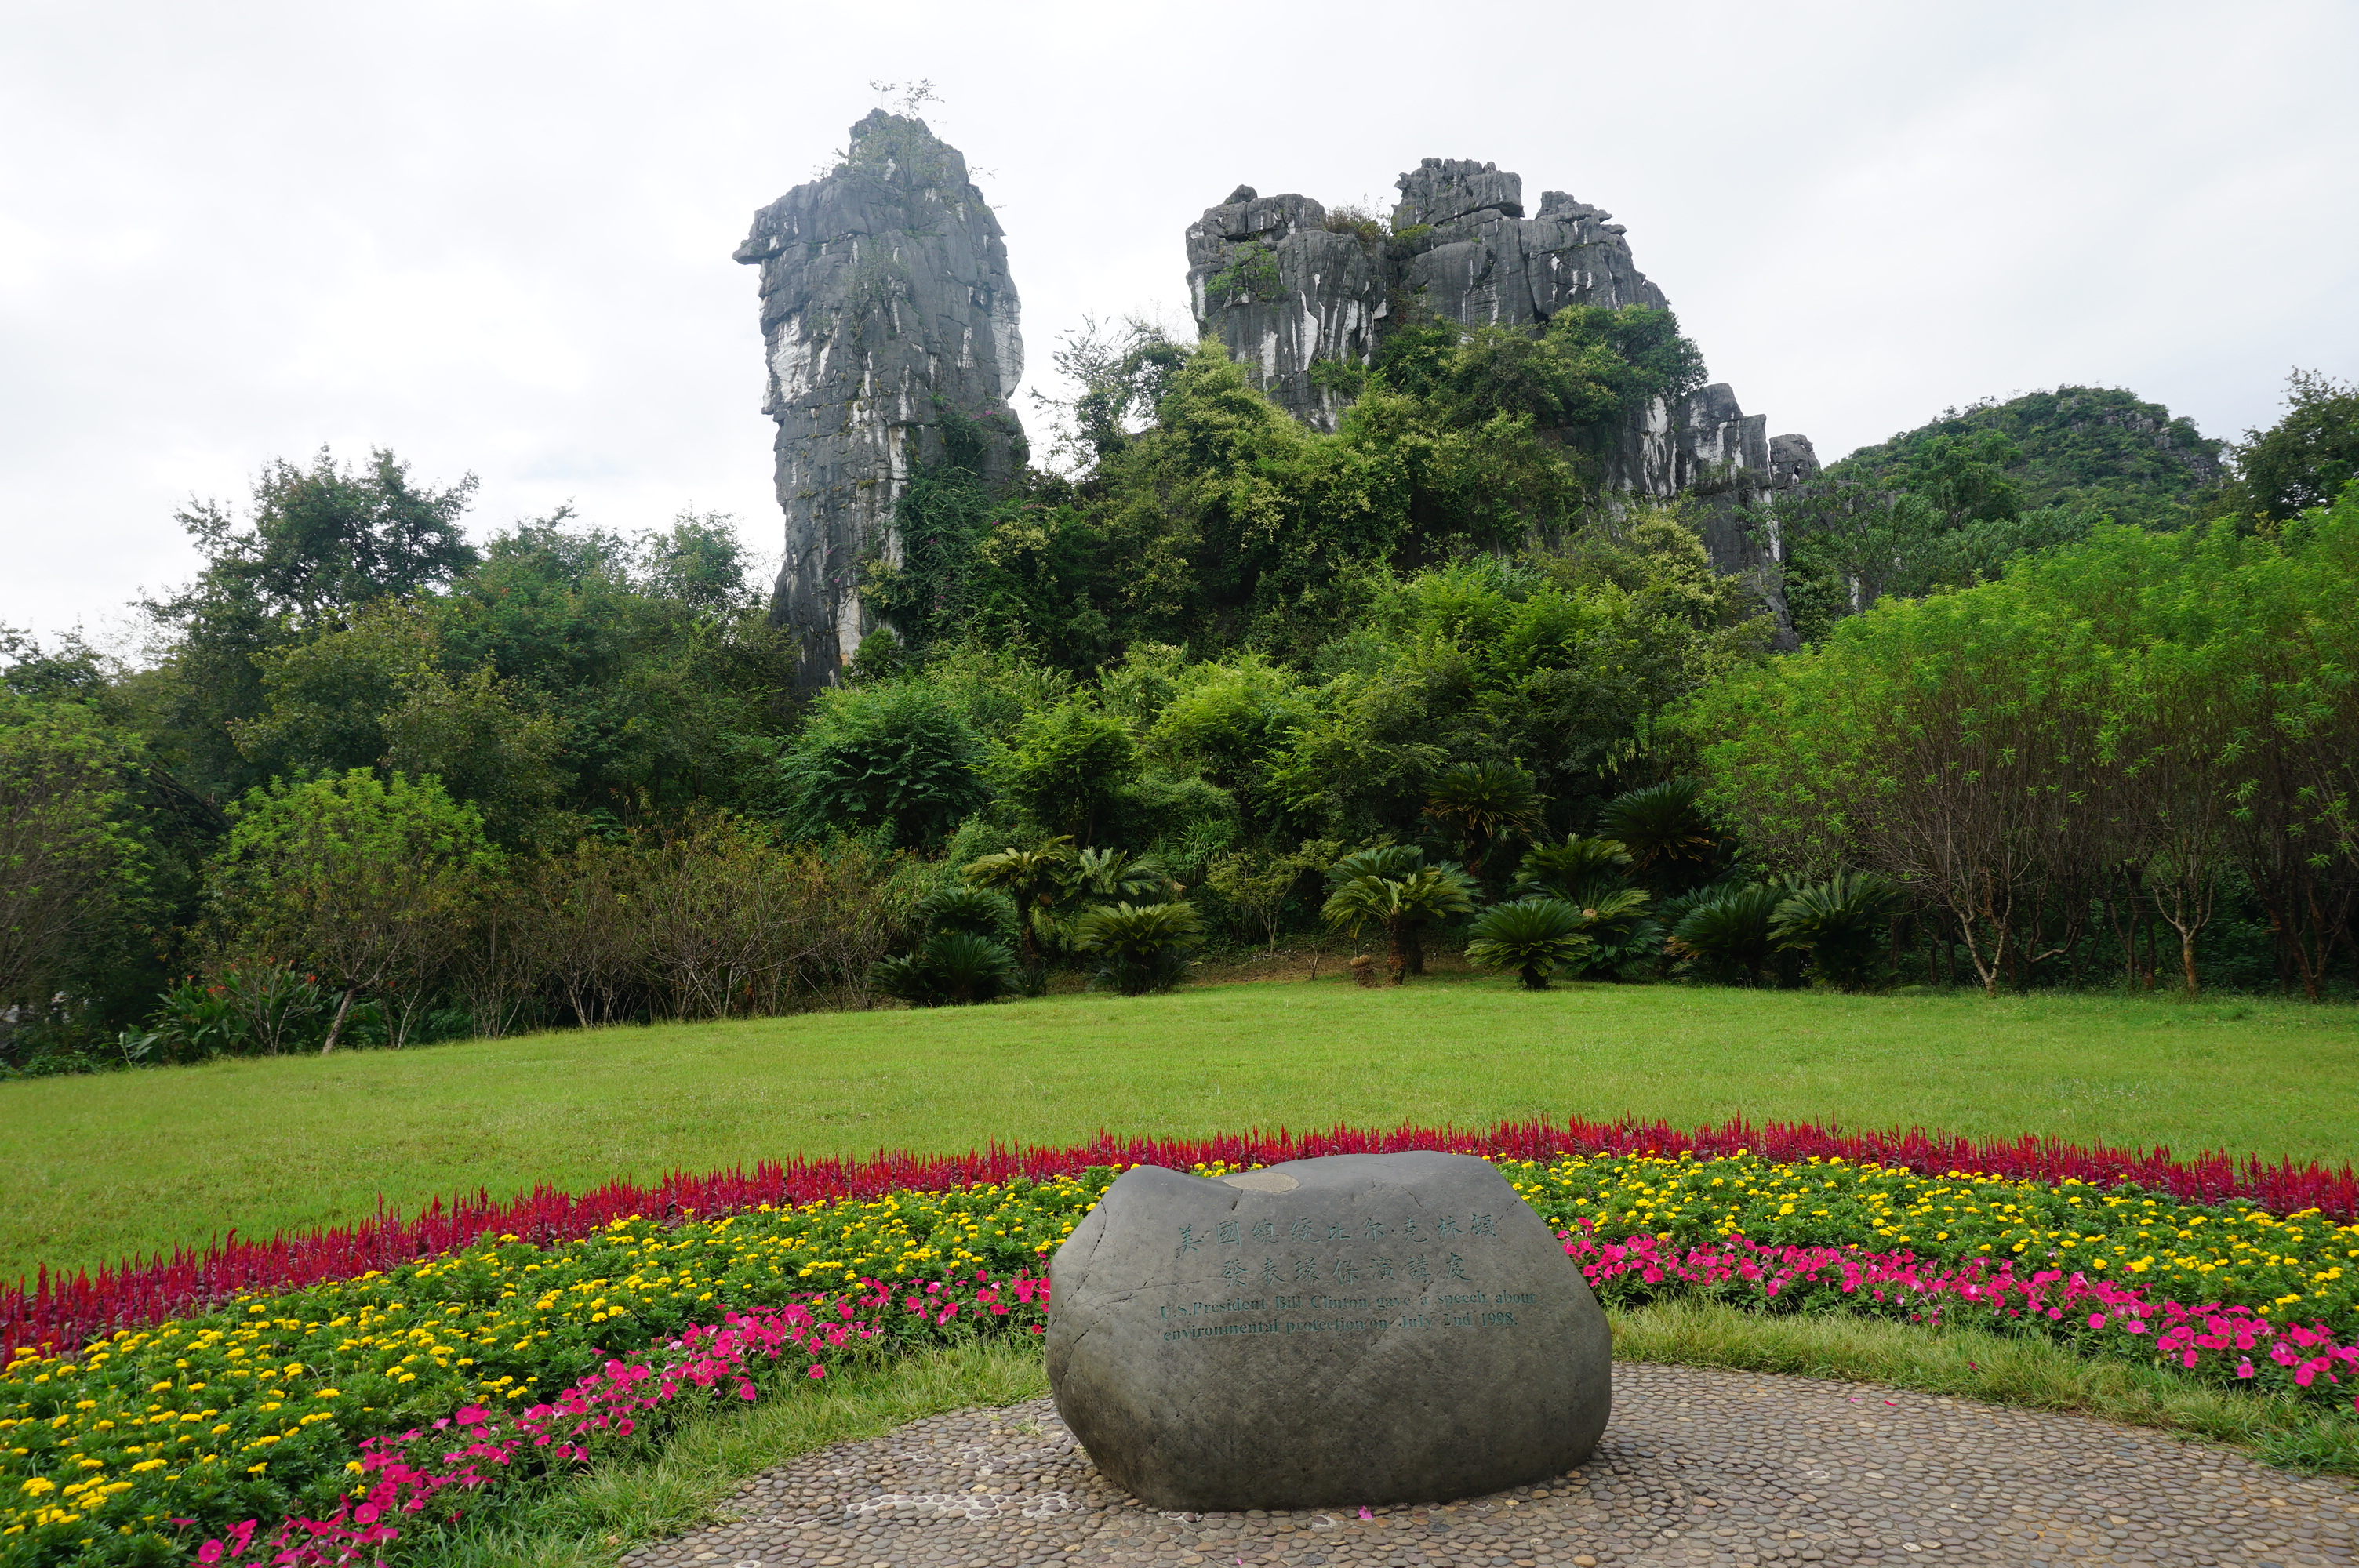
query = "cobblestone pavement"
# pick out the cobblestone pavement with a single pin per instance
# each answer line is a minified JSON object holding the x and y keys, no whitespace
{"x":1698,"y":1466}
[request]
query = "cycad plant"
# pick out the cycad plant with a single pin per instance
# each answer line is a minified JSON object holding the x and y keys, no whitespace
{"x":953,"y":969}
{"x":1033,"y":879}
{"x":1841,"y":923}
{"x":1534,"y":937}
{"x":1624,"y":934}
{"x":1402,"y":906}
{"x":1377,"y":860}
{"x":1670,"y":842}
{"x":1121,"y":875}
{"x":1483,"y":802}
{"x":980,"y":911}
{"x":1729,"y":937}
{"x":1579,"y":871}
{"x":1142,"y":949}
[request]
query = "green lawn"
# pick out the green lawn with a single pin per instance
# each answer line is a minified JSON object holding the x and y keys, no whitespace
{"x":105,"y":1165}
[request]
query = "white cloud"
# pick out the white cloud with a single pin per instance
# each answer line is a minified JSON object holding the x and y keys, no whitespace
{"x":498,"y":238}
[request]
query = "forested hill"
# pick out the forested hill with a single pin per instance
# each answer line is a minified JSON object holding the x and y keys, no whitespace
{"x":2092,"y":448}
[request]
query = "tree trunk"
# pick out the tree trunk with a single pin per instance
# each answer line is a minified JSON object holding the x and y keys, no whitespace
{"x":1396,"y":941}
{"x":1413,"y":945}
{"x":336,"y":1026}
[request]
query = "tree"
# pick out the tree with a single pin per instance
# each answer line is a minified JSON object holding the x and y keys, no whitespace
{"x":2304,"y":459}
{"x":379,"y":693}
{"x":1402,"y":906}
{"x":1068,"y":765}
{"x":71,"y":870}
{"x":1259,"y":882}
{"x":893,"y":756}
{"x":1535,"y":937}
{"x":318,"y":543}
{"x":1483,"y":803}
{"x":364,"y":881}
{"x":1037,"y":880}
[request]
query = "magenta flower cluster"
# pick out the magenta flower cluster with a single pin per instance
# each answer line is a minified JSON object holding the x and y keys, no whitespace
{"x":2224,"y":1340}
{"x":479,"y":1445}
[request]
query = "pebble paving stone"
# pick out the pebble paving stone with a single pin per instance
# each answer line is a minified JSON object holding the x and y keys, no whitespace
{"x":1698,"y":1466}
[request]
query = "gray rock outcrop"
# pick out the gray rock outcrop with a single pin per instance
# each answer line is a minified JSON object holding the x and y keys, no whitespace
{"x":1285,"y":285}
{"x":1365,"y":1328}
{"x":1288,"y":293}
{"x":888,"y":312}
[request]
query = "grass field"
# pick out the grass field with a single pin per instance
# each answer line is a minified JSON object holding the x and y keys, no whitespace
{"x":103,"y":1167}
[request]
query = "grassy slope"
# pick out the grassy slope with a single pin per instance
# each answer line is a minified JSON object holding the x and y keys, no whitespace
{"x":101,"y":1166}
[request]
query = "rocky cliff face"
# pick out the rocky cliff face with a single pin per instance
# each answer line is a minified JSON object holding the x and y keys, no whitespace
{"x":887,"y":311}
{"x":1285,"y":285}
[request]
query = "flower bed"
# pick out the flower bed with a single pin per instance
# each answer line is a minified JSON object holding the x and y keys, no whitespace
{"x":428,"y":1380}
{"x":72,"y":1309}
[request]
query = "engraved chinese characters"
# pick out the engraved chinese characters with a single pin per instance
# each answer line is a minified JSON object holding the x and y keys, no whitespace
{"x":1368,"y":1328}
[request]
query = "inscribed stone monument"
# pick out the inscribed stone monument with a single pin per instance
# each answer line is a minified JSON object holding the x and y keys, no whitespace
{"x":1365,"y":1329}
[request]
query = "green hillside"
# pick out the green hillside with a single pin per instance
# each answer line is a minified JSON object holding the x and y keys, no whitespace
{"x":2090,"y":448}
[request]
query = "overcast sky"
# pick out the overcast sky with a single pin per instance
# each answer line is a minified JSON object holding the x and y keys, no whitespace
{"x":495,"y":237}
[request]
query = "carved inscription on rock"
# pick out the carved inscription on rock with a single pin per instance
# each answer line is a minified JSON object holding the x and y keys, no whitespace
{"x":1358,"y":1329}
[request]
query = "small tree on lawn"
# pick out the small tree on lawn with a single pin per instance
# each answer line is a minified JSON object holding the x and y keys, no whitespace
{"x":1033,"y":879}
{"x":1402,"y":906}
{"x":364,"y":881}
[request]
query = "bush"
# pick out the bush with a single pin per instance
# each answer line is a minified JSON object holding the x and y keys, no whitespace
{"x":1534,"y":938}
{"x":893,"y":755}
{"x":1624,"y":934}
{"x":365,"y":882}
{"x":1670,"y":842}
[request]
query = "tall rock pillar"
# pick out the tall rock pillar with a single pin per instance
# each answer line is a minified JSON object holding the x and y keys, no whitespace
{"x":887,"y":313}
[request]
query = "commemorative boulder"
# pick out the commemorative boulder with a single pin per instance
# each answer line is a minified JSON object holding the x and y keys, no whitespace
{"x":1365,"y":1329}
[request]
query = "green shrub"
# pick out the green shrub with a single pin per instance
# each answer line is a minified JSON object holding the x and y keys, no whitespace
{"x":893,"y":755}
{"x":1624,"y":935}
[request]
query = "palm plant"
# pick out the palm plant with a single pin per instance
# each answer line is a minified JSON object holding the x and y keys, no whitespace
{"x":1579,"y":871}
{"x":1729,"y":936}
{"x":953,"y":968}
{"x":1377,"y":860}
{"x":981,"y":911}
{"x":1483,"y":802}
{"x":1119,"y":874}
{"x":1144,"y":948}
{"x":1533,"y":937}
{"x":1840,"y":922}
{"x":1669,"y":840}
{"x":1623,"y":932}
{"x":1403,"y":906}
{"x":1033,"y":879}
